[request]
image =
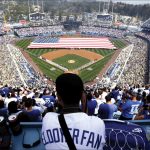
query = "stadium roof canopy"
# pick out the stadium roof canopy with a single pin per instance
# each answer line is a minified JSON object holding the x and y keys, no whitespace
{"x":146,"y":24}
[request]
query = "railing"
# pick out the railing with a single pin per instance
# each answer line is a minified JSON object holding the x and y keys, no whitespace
{"x":31,"y":126}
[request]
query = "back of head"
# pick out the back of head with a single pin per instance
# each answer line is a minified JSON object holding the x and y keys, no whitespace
{"x":69,"y":87}
{"x":96,"y":94}
{"x":28,"y":102}
{"x":12,"y":107}
{"x":1,"y":104}
{"x":134,"y":95}
{"x":108,"y":98}
{"x":89,"y":96}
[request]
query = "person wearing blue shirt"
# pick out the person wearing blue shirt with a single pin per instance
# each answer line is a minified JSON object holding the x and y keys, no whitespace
{"x":33,"y":115}
{"x":115,"y":93}
{"x":106,"y":110}
{"x":91,"y":104}
{"x":48,"y":98}
{"x":130,"y":107}
{"x":3,"y":109}
{"x":6,"y":90}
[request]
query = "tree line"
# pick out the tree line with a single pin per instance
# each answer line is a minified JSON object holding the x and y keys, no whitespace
{"x":63,"y":7}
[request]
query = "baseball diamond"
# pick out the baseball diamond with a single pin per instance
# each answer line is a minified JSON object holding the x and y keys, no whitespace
{"x":73,"y":60}
{"x":83,"y":53}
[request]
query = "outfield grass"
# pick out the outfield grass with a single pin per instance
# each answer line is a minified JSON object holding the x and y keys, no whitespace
{"x":49,"y":70}
{"x":87,"y":74}
{"x":103,"y":52}
{"x":23,"y":43}
{"x":79,"y":61}
{"x":120,"y":44}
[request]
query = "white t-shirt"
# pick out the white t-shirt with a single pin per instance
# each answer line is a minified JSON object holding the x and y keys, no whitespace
{"x":99,"y":102}
{"x":102,"y":97}
{"x":8,"y":100}
{"x":40,"y":101}
{"x":146,"y":91}
{"x":88,"y":132}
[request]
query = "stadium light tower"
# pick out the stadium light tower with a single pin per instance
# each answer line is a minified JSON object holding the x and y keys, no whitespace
{"x":42,"y":6}
{"x":108,"y":4}
{"x":105,"y":6}
{"x":29,"y":6}
{"x":33,"y":2}
{"x":99,"y":7}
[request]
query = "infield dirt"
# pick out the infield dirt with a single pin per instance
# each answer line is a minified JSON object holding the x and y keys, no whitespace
{"x":62,"y":52}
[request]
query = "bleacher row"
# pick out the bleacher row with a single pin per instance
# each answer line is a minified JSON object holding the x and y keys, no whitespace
{"x":146,"y":25}
{"x":25,"y":68}
{"x":39,"y":31}
{"x":57,"y":31}
{"x":130,"y":69}
{"x":100,"y":31}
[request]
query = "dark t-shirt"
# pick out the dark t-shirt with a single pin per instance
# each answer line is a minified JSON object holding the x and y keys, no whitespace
{"x":33,"y":115}
{"x":106,"y":111}
{"x":3,"y":112}
{"x":91,"y":105}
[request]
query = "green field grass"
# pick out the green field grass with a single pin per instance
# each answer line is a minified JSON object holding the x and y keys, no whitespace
{"x":87,"y":74}
{"x":48,"y":70}
{"x":79,"y":61}
{"x":90,"y":74}
{"x":120,"y":44}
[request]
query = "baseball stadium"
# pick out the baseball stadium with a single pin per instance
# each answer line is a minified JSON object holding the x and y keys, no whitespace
{"x":86,"y":56}
{"x":74,"y":74}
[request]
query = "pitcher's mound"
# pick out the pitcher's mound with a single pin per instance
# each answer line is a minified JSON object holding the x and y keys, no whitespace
{"x":71,"y":61}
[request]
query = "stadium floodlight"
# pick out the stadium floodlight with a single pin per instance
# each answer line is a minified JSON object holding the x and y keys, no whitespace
{"x":106,"y":5}
{"x":29,"y":6}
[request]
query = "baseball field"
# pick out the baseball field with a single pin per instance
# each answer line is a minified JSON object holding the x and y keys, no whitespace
{"x":88,"y":63}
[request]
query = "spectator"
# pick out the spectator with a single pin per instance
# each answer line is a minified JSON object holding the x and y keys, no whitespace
{"x":11,"y":97}
{"x":33,"y":114}
{"x":35,"y":106}
{"x":69,"y":88}
{"x":144,"y":113}
{"x":115,"y":93}
{"x":106,"y":110}
{"x":99,"y":102}
{"x":103,"y":95}
{"x":13,"y":108}
{"x":3,"y":109}
{"x":130,"y":108}
{"x":91,"y":104}
{"x":48,"y":98}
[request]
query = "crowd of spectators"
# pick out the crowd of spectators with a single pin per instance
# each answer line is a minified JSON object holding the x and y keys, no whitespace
{"x":130,"y":67}
{"x":39,"y":31}
{"x":146,"y":24}
{"x":113,"y":73}
{"x":100,"y":31}
{"x":31,"y":104}
{"x":15,"y":70}
{"x":58,"y":30}
{"x":136,"y":68}
{"x":144,"y":35}
{"x":8,"y":73}
{"x":28,"y":74}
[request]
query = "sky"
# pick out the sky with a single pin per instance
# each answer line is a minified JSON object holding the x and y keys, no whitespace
{"x":135,"y":2}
